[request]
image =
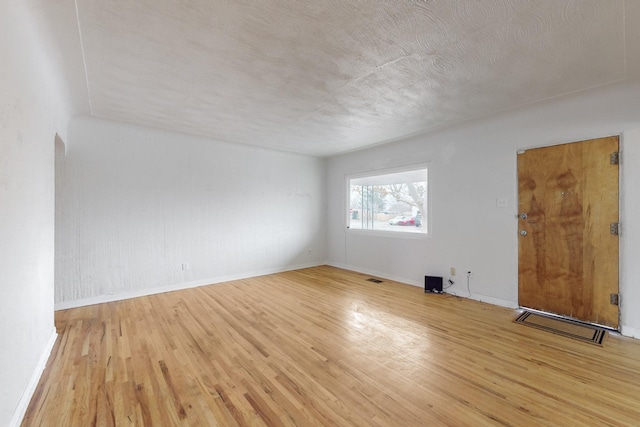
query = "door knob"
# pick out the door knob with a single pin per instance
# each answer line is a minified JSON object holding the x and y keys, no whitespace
{"x":523,"y":232}
{"x":523,"y":215}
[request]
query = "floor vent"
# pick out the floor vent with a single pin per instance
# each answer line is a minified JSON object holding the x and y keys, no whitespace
{"x":371,"y":279}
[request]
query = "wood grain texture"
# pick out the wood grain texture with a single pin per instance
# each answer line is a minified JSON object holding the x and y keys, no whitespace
{"x":568,"y":261}
{"x":324,"y":347}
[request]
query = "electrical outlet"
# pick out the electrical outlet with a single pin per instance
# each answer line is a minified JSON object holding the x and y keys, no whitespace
{"x":453,"y":271}
{"x":185,"y":266}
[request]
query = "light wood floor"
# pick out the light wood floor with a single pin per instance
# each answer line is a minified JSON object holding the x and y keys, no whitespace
{"x":322,"y":346}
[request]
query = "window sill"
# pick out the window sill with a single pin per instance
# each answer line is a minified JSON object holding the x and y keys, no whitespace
{"x":382,"y":233}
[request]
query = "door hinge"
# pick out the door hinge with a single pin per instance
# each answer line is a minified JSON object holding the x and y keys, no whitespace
{"x":614,"y":299}
{"x":614,"y":228}
{"x":615,"y":158}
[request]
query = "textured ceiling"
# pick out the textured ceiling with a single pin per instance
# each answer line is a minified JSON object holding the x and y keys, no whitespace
{"x":322,"y":77}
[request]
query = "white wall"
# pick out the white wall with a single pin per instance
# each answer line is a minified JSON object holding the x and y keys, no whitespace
{"x":134,"y":204}
{"x":470,"y":167}
{"x":630,"y":237}
{"x":32,"y":111}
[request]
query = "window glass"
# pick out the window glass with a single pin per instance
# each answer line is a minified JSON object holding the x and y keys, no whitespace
{"x":394,"y":202}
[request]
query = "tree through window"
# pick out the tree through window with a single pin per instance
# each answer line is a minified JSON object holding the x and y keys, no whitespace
{"x":389,"y":202}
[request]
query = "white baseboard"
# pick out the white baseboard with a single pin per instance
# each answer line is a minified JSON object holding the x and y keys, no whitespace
{"x":495,"y":301}
{"x":628,"y":331}
{"x":63,"y":305}
{"x":21,"y":410}
{"x":377,"y":274}
{"x":477,"y":297}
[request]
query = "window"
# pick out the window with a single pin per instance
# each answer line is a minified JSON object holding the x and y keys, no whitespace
{"x":389,"y":202}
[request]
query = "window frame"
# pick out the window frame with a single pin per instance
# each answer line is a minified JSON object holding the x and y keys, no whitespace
{"x":426,"y":216}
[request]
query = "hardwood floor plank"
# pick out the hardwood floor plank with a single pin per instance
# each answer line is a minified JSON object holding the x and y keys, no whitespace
{"x":324,"y":347}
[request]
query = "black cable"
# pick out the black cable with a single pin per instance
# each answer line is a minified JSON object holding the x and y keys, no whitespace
{"x":450,"y":284}
{"x":452,"y":295}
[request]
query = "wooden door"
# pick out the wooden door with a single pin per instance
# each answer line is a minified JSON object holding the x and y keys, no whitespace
{"x":567,"y":254}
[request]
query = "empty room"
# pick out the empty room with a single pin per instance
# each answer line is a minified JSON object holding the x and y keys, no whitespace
{"x":320,"y":213}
